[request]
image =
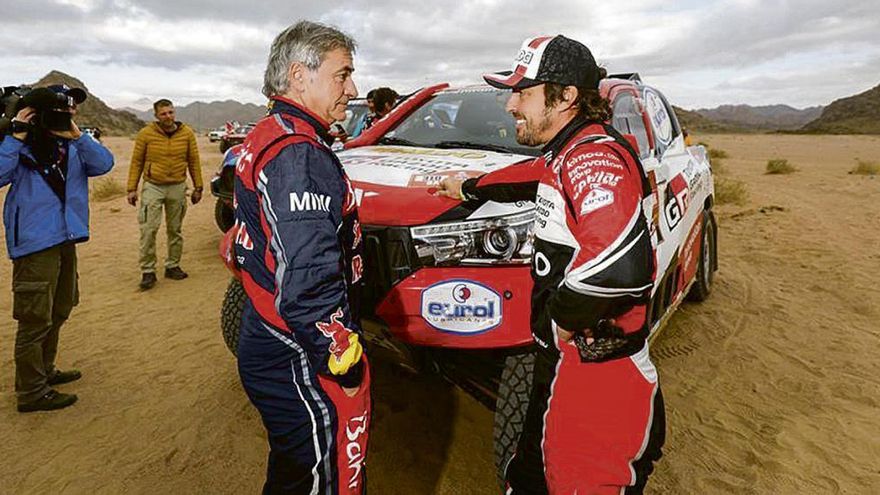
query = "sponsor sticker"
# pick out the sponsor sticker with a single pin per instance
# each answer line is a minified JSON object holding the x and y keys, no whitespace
{"x":337,"y":333}
{"x":461,"y":306}
{"x":659,"y":117}
{"x":309,"y":201}
{"x":433,"y":180}
{"x":357,"y":269}
{"x":595,"y":199}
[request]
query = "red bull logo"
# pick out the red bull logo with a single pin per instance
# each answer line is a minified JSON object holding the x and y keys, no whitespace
{"x":337,"y":332}
{"x":358,"y":235}
{"x":357,"y":269}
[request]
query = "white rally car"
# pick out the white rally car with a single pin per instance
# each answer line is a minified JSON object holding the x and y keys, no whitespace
{"x":448,"y":282}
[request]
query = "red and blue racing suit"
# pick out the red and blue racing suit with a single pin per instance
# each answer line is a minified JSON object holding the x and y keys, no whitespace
{"x":298,"y":245}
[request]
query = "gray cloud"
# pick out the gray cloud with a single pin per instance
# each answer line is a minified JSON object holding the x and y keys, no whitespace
{"x":747,"y":50}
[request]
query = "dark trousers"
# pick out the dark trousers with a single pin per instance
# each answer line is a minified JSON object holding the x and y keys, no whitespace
{"x":45,"y":290}
{"x":317,"y":434}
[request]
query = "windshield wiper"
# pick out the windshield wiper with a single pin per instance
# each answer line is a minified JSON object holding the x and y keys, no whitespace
{"x":473,"y":146}
{"x":397,"y":141}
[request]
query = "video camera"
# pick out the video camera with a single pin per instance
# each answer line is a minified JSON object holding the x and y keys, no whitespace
{"x":52,"y":108}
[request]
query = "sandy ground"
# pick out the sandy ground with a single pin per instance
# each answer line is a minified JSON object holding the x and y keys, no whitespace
{"x":771,"y":385}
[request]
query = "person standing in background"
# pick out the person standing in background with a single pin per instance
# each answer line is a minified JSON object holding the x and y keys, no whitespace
{"x":163,"y":153}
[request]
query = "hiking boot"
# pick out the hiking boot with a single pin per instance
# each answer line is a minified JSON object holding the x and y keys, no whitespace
{"x":49,"y":402}
{"x":60,"y":377}
{"x":148,"y":281}
{"x":175,"y":273}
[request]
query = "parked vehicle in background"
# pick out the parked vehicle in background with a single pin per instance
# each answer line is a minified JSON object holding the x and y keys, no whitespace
{"x":447,"y":283}
{"x":235,"y":136}
{"x":93,"y":131}
{"x":216,"y":134}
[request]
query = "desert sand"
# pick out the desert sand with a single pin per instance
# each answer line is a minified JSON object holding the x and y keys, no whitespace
{"x":771,"y":385}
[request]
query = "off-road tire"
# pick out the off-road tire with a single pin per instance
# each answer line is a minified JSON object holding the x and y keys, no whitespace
{"x":230,"y":314}
{"x":708,"y":261}
{"x":510,"y":408}
{"x":224,"y":145}
{"x":224,"y":216}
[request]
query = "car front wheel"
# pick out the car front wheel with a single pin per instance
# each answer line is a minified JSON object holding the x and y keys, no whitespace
{"x":224,"y":215}
{"x":230,"y":314}
{"x":510,"y":408}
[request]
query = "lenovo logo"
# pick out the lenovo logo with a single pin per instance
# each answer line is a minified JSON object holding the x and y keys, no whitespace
{"x":309,"y":201}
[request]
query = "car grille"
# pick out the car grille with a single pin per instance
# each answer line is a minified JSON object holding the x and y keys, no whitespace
{"x":389,"y":258}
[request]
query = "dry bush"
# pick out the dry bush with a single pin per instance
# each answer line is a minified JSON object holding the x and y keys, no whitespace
{"x":105,"y":189}
{"x":716,"y":154}
{"x":865,"y":168}
{"x":718,"y":167}
{"x":730,"y":191}
{"x":780,"y":166}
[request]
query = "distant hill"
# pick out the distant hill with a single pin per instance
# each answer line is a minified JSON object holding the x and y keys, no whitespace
{"x":761,"y":118}
{"x":93,"y":111}
{"x":694,"y":122}
{"x":203,"y":116}
{"x":859,"y":114}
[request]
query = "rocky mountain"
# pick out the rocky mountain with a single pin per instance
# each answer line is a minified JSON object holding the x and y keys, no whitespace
{"x":694,"y":122}
{"x":93,"y":111}
{"x":761,"y":118}
{"x":858,"y":114}
{"x":205,"y":116}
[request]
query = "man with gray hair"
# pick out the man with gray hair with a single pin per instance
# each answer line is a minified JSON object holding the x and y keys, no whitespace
{"x":298,"y":243}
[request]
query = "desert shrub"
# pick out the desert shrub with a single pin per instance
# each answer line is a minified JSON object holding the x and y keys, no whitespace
{"x":730,"y":191}
{"x":865,"y":168}
{"x":106,"y":188}
{"x":718,"y":167}
{"x":780,"y":166}
{"x":717,"y":154}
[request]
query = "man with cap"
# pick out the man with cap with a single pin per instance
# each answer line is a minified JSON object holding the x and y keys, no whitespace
{"x":164,"y":151}
{"x":47,"y":160}
{"x":595,"y":421}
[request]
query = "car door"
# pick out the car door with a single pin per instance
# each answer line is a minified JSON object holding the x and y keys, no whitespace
{"x":677,"y":175}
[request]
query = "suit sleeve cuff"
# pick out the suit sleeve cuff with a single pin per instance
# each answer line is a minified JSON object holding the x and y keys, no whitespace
{"x":353,"y":378}
{"x":469,"y":190}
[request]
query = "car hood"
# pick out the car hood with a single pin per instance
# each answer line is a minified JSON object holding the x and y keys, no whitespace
{"x":394,"y":185}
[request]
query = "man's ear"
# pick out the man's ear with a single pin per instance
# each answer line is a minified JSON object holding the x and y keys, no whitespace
{"x":569,"y":97}
{"x":296,"y":76}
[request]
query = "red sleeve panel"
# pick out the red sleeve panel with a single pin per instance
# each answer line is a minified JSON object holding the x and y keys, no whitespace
{"x":612,"y":269}
{"x":518,"y":182}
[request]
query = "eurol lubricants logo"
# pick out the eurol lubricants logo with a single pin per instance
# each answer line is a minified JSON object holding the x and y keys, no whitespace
{"x":461,"y":306}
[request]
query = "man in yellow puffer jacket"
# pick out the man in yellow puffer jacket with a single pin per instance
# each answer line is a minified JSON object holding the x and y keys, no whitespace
{"x":163,"y":152}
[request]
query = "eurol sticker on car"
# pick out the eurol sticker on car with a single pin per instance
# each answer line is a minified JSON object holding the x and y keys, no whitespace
{"x":461,"y":306}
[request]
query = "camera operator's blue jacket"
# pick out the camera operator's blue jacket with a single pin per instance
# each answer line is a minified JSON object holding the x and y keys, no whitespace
{"x":34,"y":216}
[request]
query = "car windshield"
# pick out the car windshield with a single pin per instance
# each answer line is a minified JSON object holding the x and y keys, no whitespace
{"x":471,"y":118}
{"x":353,"y":115}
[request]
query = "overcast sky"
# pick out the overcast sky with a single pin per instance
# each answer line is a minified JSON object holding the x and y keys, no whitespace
{"x":700,"y":53}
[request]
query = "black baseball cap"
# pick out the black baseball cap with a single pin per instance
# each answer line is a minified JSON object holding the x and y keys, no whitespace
{"x":77,"y":94}
{"x":553,"y":59}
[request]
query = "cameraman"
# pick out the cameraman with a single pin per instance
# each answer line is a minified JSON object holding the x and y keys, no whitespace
{"x":48,"y":160}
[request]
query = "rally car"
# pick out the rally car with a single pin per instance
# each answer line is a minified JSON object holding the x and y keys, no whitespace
{"x":447,"y":283}
{"x":235,"y":135}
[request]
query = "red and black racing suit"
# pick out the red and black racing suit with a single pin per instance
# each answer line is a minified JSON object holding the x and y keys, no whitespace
{"x":595,"y":421}
{"x":298,"y":245}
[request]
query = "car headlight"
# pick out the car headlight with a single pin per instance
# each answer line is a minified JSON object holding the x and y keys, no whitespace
{"x":503,"y":239}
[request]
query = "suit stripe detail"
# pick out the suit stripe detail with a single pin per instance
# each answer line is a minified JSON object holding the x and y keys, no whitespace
{"x":277,"y":245}
{"x":322,"y":456}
